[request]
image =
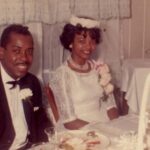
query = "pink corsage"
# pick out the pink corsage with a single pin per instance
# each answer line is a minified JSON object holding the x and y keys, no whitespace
{"x":104,"y":78}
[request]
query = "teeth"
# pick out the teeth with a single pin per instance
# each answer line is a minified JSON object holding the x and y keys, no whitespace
{"x":22,"y":66}
{"x":86,"y":52}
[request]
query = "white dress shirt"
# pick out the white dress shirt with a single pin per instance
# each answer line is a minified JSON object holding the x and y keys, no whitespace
{"x":16,"y":111}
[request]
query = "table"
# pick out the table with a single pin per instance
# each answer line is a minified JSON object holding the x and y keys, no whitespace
{"x":135,"y":90}
{"x":128,"y":67}
{"x":133,"y":79}
{"x":115,"y":130}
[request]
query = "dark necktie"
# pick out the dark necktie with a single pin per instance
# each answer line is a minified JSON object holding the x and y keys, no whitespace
{"x":14,"y":83}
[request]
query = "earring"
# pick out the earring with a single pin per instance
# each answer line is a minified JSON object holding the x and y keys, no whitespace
{"x":70,"y":46}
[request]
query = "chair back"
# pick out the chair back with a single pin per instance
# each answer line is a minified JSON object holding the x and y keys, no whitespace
{"x":51,"y":100}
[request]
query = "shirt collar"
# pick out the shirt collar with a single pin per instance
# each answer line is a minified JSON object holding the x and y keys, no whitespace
{"x":5,"y":76}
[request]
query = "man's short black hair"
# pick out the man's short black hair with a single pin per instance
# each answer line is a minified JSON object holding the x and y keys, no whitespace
{"x":13,"y":28}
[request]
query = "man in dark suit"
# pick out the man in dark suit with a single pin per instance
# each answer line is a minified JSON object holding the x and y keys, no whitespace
{"x":22,"y":117}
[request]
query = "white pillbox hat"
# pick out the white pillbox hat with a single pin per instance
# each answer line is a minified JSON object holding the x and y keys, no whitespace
{"x":84,"y":22}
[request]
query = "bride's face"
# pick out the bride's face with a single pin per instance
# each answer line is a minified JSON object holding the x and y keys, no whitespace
{"x":82,"y":46}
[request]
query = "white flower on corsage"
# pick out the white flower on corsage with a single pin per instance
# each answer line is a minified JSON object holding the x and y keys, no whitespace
{"x":104,"y":79}
{"x":24,"y":94}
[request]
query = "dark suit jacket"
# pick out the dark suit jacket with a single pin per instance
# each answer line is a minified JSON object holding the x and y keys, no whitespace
{"x":36,"y":120}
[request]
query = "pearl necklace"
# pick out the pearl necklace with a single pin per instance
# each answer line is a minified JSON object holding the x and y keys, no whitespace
{"x":83,"y":67}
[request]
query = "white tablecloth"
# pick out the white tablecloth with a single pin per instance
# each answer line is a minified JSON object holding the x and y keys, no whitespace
{"x":128,"y":68}
{"x":114,"y":130}
{"x":134,"y":74}
{"x":135,"y":90}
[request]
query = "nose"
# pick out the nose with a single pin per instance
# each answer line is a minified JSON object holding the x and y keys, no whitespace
{"x":90,"y":46}
{"x":23,"y":56}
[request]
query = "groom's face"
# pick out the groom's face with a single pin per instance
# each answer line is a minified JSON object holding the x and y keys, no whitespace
{"x":17,"y":56}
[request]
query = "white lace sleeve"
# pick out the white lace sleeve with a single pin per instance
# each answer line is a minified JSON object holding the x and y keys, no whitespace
{"x":111,"y":102}
{"x":60,"y":83}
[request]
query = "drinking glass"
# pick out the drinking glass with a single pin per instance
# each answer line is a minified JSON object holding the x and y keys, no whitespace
{"x":51,"y":133}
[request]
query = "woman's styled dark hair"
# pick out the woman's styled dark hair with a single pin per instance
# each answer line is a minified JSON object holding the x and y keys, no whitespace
{"x":69,"y":32}
{"x":13,"y":28}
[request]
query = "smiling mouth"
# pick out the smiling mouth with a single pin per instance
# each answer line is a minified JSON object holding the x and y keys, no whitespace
{"x":87,"y":53}
{"x":22,"y":67}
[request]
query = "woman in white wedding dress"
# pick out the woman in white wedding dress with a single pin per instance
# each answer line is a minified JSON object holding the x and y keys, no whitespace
{"x":79,"y":85}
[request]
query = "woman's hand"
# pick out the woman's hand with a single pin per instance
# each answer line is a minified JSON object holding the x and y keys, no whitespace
{"x":75,"y":124}
{"x":113,"y":113}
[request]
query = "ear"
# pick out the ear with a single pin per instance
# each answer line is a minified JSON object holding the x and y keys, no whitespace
{"x":1,"y":53}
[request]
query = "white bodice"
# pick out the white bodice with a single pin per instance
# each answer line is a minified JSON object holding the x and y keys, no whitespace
{"x":78,"y":95}
{"x":85,"y":92}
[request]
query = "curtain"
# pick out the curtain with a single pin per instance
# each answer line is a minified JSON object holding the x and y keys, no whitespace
{"x":52,"y":11}
{"x":52,"y":49}
{"x":46,"y":19}
{"x":114,"y":9}
{"x":82,"y":8}
{"x":11,"y":11}
{"x":37,"y":66}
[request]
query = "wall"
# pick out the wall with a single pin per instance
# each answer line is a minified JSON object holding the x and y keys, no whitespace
{"x":136,"y":31}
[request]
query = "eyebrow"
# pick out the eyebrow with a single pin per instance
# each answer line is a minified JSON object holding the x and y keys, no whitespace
{"x":21,"y":47}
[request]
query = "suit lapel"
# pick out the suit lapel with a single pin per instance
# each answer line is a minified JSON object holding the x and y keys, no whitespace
{"x":26,"y":105}
{"x":8,"y":132}
{"x":28,"y":108}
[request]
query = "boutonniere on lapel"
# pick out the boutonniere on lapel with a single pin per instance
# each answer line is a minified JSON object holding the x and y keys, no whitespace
{"x":25,"y":94}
